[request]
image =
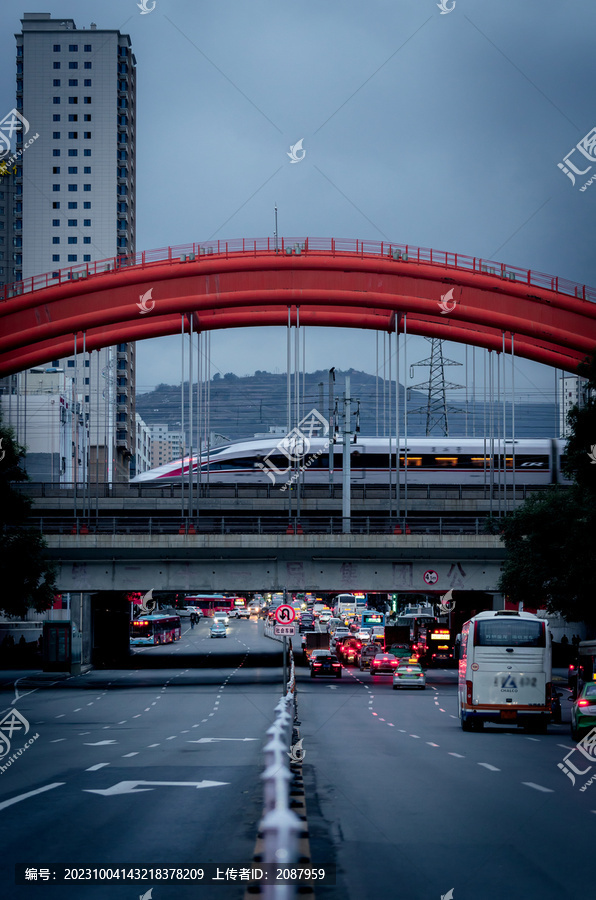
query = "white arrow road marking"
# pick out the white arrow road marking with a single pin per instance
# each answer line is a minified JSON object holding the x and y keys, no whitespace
{"x":40,"y":790}
{"x":129,"y":787}
{"x":214,"y":740}
{"x":99,"y":743}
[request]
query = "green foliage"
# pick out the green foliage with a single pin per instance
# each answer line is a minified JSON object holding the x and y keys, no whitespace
{"x":551,"y":538}
{"x":27,"y":576}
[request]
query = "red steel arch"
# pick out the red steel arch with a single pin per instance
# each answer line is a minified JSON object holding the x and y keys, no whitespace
{"x":355,"y":284}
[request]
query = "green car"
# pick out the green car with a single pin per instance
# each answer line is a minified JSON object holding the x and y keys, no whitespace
{"x":583,"y":711}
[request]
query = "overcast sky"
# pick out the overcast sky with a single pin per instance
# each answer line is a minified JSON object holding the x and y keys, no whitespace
{"x":436,"y":130}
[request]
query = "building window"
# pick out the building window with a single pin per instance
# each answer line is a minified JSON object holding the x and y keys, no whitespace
{"x":72,"y":257}
{"x":56,"y":170}
{"x":56,"y":48}
{"x":86,"y":117}
{"x":71,"y":363}
{"x":73,"y":152}
{"x":72,"y":204}
{"x":56,"y":65}
{"x":73,"y":48}
{"x":73,"y":135}
{"x":56,"y":205}
{"x":56,"y":223}
{"x":56,"y":82}
{"x":87,"y":82}
{"x":55,"y":240}
{"x":72,"y":223}
{"x":86,"y":99}
{"x":73,"y":240}
{"x":55,"y":99}
{"x":86,"y":257}
{"x":73,"y":187}
{"x":56,"y":135}
{"x":87,"y":65}
{"x":87,"y":223}
{"x":55,"y":153}
{"x":87,"y":135}
{"x":87,"y":48}
{"x":86,"y":204}
{"x":73,"y":82}
{"x":86,"y":187}
{"x":73,"y":170}
{"x":73,"y":99}
{"x":55,"y":187}
{"x":55,"y":257}
{"x":86,"y":240}
{"x":86,"y":152}
{"x":86,"y":170}
{"x":73,"y":117}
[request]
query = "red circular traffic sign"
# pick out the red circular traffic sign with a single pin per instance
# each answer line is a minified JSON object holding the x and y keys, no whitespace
{"x":430,"y":576}
{"x":285,"y":614}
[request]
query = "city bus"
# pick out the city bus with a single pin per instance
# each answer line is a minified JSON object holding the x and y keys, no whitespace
{"x":505,"y":671}
{"x":372,"y":617}
{"x":154,"y":629}
{"x":211,"y":603}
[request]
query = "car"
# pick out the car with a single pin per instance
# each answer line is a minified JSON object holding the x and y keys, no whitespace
{"x":324,"y":617}
{"x":332,"y":624}
{"x":306,"y":623}
{"x":367,"y":654}
{"x":322,"y":662}
{"x":383,"y":664}
{"x":243,"y":612}
{"x":583,"y":711}
{"x":410,"y":675}
{"x":401,"y":652}
{"x":363,"y":634}
{"x":348,"y":651}
{"x":218,"y":630}
{"x":221,"y":617}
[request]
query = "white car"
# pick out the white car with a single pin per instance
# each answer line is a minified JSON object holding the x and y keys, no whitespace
{"x":222,"y":618}
{"x":243,"y":612}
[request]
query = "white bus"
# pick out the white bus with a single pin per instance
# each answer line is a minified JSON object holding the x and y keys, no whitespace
{"x":505,"y":671}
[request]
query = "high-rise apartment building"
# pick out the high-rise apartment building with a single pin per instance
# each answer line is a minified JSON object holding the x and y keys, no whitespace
{"x":75,"y":193}
{"x":166,"y":445}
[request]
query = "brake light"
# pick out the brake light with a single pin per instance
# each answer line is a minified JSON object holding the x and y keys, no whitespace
{"x":469,"y":687}
{"x":336,"y":664}
{"x":583,"y":702}
{"x":549,"y":692}
{"x":317,"y":665}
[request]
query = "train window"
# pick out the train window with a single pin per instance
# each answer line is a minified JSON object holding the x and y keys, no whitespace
{"x":446,"y":461}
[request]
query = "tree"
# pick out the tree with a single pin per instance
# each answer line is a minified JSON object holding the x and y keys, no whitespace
{"x":28,"y":579}
{"x":551,"y":538}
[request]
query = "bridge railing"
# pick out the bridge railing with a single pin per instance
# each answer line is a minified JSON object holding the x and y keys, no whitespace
{"x":262,"y":525}
{"x":172,"y":491}
{"x":298,"y":246}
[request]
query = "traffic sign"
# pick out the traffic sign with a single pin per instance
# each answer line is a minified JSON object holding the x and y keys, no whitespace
{"x":285,"y":614}
{"x":430,"y":576}
{"x":285,"y":630}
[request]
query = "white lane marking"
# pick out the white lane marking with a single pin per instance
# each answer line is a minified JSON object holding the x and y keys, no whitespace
{"x":90,"y":704}
{"x":147,"y":709}
{"x":95,"y":768}
{"x":533,"y":739}
{"x":452,"y":717}
{"x":565,"y":747}
{"x":78,"y":709}
{"x":99,"y":743}
{"x":123,"y":722}
{"x":48,"y":787}
{"x":403,"y":730}
{"x":415,"y":736}
{"x":172,"y":738}
{"x":126,"y":755}
{"x":138,"y":716}
{"x":430,"y":744}
{"x":489,"y":767}
{"x":61,"y":716}
{"x":442,"y":710}
{"x":57,"y":741}
{"x":153,"y":745}
{"x":538,"y":787}
{"x":459,"y":755}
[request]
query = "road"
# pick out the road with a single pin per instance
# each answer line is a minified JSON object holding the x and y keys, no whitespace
{"x":398,"y":796}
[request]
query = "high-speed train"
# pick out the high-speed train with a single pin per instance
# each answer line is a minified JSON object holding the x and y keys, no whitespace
{"x":431,"y":460}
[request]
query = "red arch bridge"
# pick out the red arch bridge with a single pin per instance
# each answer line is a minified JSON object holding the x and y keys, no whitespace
{"x":320,"y":281}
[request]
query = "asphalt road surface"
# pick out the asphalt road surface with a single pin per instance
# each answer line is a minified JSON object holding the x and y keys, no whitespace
{"x":405,"y":803}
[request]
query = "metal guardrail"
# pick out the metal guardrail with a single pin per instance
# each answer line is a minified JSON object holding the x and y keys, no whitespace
{"x":208,"y":251}
{"x":228,"y":525}
{"x":36,"y":490}
{"x":280,"y":827}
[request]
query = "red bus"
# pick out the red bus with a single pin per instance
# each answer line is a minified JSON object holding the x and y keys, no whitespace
{"x":210,"y":603}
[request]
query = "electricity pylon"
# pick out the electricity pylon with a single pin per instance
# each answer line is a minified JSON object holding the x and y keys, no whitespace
{"x":436,"y":408}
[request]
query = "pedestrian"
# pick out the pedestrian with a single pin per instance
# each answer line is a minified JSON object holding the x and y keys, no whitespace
{"x":575,"y":640}
{"x":192,"y":620}
{"x":564,"y":640}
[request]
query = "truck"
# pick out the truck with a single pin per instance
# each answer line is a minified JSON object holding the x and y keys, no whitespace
{"x":314,"y":640}
{"x":344,"y":606}
{"x":397,"y":641}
